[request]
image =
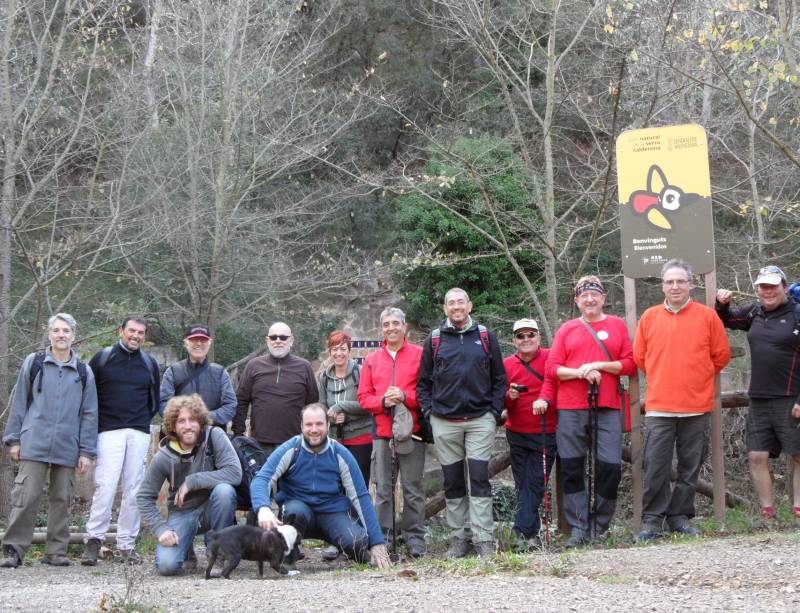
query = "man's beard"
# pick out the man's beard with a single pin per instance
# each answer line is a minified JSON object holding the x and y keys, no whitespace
{"x":279,"y":352}
{"x":315,"y":447}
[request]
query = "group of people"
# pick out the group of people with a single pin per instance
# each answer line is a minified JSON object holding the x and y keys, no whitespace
{"x":327,"y":436}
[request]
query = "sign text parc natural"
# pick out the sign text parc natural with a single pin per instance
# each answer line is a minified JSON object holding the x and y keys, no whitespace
{"x":664,"y":199}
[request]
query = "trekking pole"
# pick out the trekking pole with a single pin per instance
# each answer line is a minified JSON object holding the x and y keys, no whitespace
{"x":546,"y":483}
{"x":591,"y":501}
{"x":394,"y":557}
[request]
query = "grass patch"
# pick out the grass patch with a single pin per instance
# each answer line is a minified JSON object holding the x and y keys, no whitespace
{"x":110,"y":604}
{"x":558,"y":565}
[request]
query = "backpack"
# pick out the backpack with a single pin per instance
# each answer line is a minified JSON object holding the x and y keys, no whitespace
{"x":38,"y":367}
{"x":251,"y":457}
{"x":436,"y":340}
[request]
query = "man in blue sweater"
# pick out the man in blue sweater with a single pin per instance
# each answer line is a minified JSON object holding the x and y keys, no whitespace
{"x":322,"y":492}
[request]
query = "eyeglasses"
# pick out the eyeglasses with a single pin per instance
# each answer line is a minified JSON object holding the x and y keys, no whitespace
{"x":279,"y":337}
{"x":523,"y":335}
{"x":678,"y":282}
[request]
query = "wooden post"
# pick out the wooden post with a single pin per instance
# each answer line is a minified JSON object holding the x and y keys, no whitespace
{"x":717,"y":459}
{"x":631,"y":318}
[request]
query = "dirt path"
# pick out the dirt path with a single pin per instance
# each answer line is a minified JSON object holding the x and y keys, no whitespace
{"x":750,"y":573}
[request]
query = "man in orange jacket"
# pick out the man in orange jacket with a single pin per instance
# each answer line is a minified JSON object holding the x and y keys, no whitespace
{"x":681,"y":346}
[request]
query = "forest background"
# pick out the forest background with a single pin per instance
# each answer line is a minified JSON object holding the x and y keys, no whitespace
{"x":236,"y":162}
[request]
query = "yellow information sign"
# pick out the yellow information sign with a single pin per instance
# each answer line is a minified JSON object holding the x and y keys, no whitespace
{"x":665,"y":199}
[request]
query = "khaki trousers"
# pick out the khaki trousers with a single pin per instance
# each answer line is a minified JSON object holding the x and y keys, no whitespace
{"x":26,"y":495}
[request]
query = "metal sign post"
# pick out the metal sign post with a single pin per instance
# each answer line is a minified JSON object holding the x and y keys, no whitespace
{"x":665,"y":212}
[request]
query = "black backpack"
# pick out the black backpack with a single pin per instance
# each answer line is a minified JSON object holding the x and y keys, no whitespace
{"x":252,"y":457}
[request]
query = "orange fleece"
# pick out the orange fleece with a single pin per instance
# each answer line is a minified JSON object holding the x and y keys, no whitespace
{"x":680,"y":353}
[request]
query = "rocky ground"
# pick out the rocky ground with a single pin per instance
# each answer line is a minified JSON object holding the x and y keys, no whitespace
{"x":743,"y":573}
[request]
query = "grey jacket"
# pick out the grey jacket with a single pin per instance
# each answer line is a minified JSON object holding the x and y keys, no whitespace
{"x":208,"y":379}
{"x":201,"y":469}
{"x":58,"y":424}
{"x":341,"y":395}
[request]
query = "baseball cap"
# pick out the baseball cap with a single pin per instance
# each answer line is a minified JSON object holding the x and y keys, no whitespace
{"x":521,"y":324}
{"x":197,"y":331}
{"x":770,"y":275}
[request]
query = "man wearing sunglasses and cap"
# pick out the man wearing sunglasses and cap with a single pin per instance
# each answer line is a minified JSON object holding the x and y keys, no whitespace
{"x":273,"y":390}
{"x":196,"y":375}
{"x":773,"y":422}
{"x":533,"y":449}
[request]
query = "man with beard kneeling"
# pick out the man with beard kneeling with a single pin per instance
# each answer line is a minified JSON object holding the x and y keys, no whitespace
{"x":202,"y":469}
{"x":321,"y":492}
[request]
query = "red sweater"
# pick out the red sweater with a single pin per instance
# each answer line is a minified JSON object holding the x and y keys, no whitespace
{"x":379,"y":373}
{"x":520,"y":411}
{"x":681,"y":353}
{"x":574,"y":345}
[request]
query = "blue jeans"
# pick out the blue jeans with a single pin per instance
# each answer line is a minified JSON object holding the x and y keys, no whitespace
{"x":339,"y":529}
{"x":216,"y":514}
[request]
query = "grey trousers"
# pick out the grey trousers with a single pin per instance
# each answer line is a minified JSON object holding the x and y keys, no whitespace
{"x":688,"y":437}
{"x":576,"y":437}
{"x":464,"y":449}
{"x":410,"y":467}
{"x":26,"y":495}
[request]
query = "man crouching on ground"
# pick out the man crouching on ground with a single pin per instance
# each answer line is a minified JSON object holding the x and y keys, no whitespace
{"x":202,"y":469}
{"x":321,"y":492}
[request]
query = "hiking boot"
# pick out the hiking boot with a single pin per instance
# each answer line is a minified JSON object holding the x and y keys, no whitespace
{"x":576,"y":539}
{"x":129,"y":556}
{"x":416,"y":549}
{"x":190,"y":563}
{"x":648,"y":534}
{"x":685,"y":528}
{"x":56,"y":559}
{"x":533,"y":543}
{"x":459,"y":548}
{"x":484,"y":549}
{"x":11,"y":558}
{"x":90,"y":552}
{"x":329,"y":554}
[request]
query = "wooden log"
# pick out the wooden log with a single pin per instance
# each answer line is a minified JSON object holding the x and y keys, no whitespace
{"x":75,"y":538}
{"x":501,"y":461}
{"x":497,"y":464}
{"x":703,"y":487}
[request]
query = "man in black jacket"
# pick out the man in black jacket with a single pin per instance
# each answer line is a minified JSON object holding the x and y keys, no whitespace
{"x":460,"y":389}
{"x":127,"y":396}
{"x":773,"y":422}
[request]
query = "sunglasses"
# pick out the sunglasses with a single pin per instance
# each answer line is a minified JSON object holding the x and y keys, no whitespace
{"x":523,"y":335}
{"x":279,"y":337}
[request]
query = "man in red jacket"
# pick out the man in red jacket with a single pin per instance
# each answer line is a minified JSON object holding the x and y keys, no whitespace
{"x":388,"y":390}
{"x":527,"y":442}
{"x":681,"y":346}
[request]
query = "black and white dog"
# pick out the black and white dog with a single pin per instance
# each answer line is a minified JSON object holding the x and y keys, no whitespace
{"x":237,"y":543}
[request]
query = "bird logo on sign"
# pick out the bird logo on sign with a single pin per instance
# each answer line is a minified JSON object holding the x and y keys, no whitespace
{"x":658,"y":203}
